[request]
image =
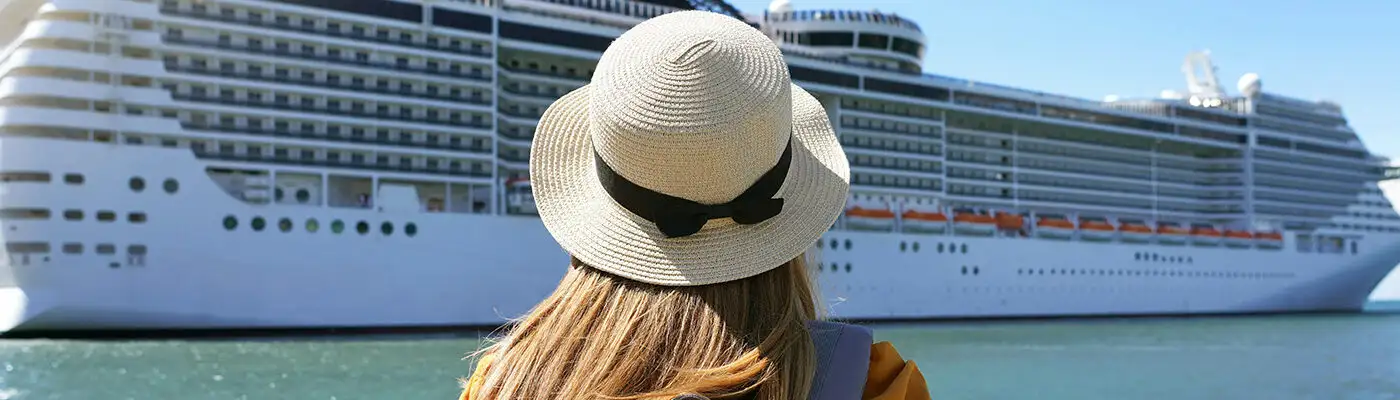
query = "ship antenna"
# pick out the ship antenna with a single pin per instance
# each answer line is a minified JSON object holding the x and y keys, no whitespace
{"x":1205,"y":84}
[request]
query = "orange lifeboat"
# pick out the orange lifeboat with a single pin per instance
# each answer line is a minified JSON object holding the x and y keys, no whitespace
{"x":1238,"y":238}
{"x":1171,"y":233}
{"x":1054,"y":227}
{"x":1206,"y":235}
{"x":1010,"y":222}
{"x":1269,"y":240}
{"x":973,"y":223}
{"x":926,"y":221}
{"x":1135,"y":231}
{"x":869,"y":218}
{"x":1098,"y":229}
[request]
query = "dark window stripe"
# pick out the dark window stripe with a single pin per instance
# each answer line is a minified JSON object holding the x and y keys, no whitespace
{"x":529,"y":33}
{"x":461,"y":20}
{"x":374,"y":8}
{"x":906,"y":89}
{"x":823,"y":77}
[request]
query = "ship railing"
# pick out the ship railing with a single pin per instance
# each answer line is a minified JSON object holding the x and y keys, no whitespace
{"x":634,"y":9}
{"x":479,"y":51}
{"x":843,"y":15}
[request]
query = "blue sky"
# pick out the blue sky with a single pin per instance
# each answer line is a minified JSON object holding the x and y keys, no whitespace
{"x":1091,"y":48}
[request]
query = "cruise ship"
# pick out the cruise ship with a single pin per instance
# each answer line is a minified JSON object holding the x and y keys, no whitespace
{"x":303,"y":164}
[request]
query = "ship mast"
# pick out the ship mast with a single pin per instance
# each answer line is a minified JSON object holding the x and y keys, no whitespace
{"x":1200,"y":76}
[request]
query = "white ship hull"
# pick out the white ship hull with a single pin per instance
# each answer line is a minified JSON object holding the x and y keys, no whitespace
{"x":480,"y":270}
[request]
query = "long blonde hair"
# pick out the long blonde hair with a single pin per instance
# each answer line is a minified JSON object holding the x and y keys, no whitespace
{"x":600,"y":336}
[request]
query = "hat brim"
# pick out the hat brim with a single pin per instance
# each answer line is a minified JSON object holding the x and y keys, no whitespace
{"x":591,"y":226}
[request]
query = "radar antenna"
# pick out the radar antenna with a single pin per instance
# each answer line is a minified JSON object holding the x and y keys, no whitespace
{"x":1200,"y":75}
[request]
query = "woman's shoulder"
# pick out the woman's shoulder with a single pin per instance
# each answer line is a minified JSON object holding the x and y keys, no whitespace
{"x":891,"y":377}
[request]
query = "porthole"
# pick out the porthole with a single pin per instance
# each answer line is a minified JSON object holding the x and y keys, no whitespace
{"x":964,"y":270}
{"x":386,"y":228}
{"x":303,"y":196}
{"x":277,"y":194}
{"x":284,"y":225}
{"x":976,"y":271}
{"x":230,"y":223}
{"x":1137,"y":256}
{"x":312,"y":226}
{"x":902,"y":246}
{"x":106,"y":216}
{"x":259,"y":223}
{"x":337,"y":226}
{"x":410,"y":229}
{"x":848,"y":267}
{"x":136,"y":184}
{"x":848,"y":244}
{"x":964,"y":248}
{"x":833,"y":244}
{"x":362,"y":227}
{"x":916,"y":247}
{"x":73,"y":215}
{"x":835,"y":267}
{"x":171,"y":185}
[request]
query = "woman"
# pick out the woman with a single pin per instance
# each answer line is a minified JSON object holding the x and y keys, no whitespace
{"x":687,"y":180}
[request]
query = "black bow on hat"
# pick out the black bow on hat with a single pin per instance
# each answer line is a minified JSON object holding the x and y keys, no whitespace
{"x":677,"y":217}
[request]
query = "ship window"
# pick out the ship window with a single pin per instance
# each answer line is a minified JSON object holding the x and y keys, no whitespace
{"x":964,"y":248}
{"x":73,"y":179}
{"x":259,"y":223}
{"x":827,"y":39}
{"x":848,"y":267}
{"x":171,"y":185}
{"x":908,"y":47}
{"x":106,"y":248}
{"x":337,"y":226}
{"x":106,"y":216}
{"x":136,"y":218}
{"x":42,"y":177}
{"x":386,"y":228}
{"x":916,"y":247}
{"x":362,"y":227}
{"x":410,"y":229}
{"x":284,"y":225}
{"x":940,"y":247}
{"x":874,"y":41}
{"x":848,"y":244}
{"x":73,"y":215}
{"x":902,"y":246}
{"x":230,"y":222}
{"x":303,"y":195}
{"x":312,"y":226}
{"x":73,"y":248}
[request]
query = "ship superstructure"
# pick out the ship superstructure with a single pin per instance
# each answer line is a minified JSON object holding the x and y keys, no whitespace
{"x":240,"y":164}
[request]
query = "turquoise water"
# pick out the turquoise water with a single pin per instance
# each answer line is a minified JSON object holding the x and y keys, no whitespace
{"x":1295,"y":357}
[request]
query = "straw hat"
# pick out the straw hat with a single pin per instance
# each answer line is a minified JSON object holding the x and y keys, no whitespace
{"x":690,"y":159}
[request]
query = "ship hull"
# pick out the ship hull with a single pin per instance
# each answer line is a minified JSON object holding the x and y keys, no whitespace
{"x":482,"y":270}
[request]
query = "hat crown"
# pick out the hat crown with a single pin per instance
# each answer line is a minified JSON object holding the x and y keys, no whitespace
{"x":692,"y":104}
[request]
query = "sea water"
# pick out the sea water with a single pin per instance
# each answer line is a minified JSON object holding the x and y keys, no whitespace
{"x":1330,"y":357}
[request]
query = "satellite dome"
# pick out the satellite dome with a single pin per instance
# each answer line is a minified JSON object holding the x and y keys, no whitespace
{"x":780,"y":6}
{"x":1249,"y":84}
